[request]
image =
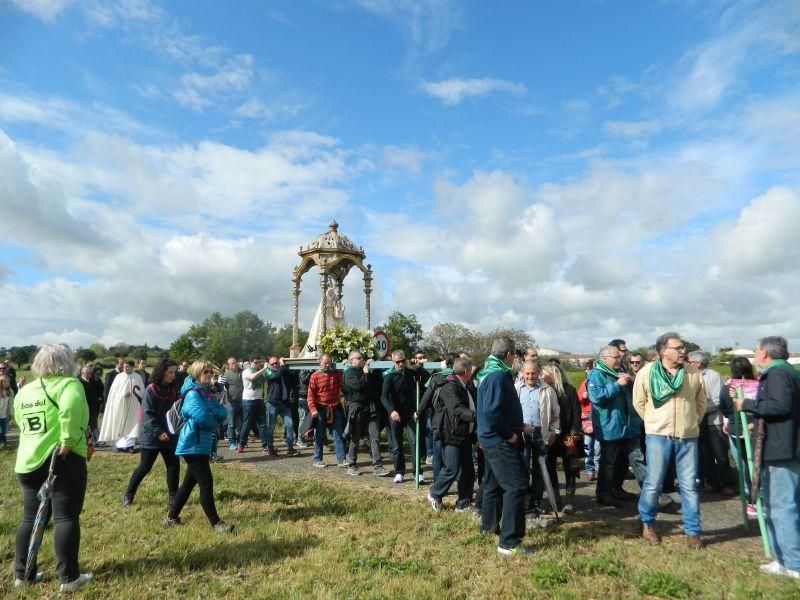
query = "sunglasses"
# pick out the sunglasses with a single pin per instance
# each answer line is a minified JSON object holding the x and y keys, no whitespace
{"x":636,"y":362}
{"x":398,"y":362}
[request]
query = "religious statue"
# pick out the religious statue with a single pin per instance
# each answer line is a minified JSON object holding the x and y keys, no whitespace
{"x":334,"y":316}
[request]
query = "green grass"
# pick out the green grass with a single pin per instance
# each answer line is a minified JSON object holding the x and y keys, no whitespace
{"x":299,"y":537}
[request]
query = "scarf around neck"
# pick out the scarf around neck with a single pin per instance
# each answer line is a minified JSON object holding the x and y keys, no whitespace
{"x":392,"y":370}
{"x":601,"y":366}
{"x":779,"y":362}
{"x":443,"y":373}
{"x":492,"y":365}
{"x":662,"y":384}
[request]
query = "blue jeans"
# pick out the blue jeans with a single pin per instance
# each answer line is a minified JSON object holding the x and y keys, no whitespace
{"x":591,"y":449}
{"x":320,"y":436}
{"x":284,"y":411}
{"x":234,"y":419}
{"x":253,"y":411}
{"x":660,"y":450}
{"x":437,"y":458}
{"x":505,"y":484}
{"x":457,"y":465}
{"x":781,"y":488}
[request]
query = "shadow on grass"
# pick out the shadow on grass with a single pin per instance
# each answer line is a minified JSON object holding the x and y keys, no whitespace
{"x":231,"y":555}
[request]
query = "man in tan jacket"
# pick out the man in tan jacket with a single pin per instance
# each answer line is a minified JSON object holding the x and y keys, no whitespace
{"x":669,"y":396}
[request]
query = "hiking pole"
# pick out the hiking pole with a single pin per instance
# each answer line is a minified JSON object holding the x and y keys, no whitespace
{"x":416,"y":444}
{"x":740,"y":464}
{"x":762,"y":525}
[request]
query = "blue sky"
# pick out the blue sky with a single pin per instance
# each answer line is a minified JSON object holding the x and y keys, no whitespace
{"x":581,"y":170}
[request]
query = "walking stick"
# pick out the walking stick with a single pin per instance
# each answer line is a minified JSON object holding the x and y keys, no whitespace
{"x":762,"y":524}
{"x":416,"y":444}
{"x":740,"y":464}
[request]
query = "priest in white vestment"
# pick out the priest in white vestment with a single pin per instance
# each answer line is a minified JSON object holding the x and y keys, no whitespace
{"x":121,"y":415}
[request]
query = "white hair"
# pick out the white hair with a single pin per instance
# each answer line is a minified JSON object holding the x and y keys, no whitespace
{"x":54,"y":359}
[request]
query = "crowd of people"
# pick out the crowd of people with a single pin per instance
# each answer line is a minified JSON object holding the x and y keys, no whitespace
{"x":668,"y":419}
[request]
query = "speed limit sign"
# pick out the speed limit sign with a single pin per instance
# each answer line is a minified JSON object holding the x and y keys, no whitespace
{"x":381,"y":345}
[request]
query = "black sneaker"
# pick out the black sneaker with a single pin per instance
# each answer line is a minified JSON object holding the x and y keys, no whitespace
{"x":169,"y":522}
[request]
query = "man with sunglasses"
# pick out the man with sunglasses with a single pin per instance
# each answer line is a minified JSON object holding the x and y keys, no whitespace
{"x":279,"y":396}
{"x":670,"y":397}
{"x":421,"y":376}
{"x":399,"y":397}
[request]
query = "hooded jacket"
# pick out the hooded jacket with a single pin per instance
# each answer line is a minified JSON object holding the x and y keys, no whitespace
{"x":202,"y":413}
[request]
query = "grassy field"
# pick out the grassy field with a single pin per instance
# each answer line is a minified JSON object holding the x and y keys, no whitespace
{"x":300,"y":537}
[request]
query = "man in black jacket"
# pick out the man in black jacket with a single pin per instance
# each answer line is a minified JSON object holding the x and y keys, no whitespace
{"x":361,"y":414}
{"x":399,"y":396}
{"x":778,"y":404}
{"x":453,"y":424}
{"x":278,"y":403}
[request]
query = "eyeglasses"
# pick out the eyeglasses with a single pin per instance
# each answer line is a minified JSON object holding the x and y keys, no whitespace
{"x":636,"y":362}
{"x":678,"y":348}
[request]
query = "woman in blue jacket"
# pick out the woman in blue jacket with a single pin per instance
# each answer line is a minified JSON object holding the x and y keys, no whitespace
{"x":202,"y":413}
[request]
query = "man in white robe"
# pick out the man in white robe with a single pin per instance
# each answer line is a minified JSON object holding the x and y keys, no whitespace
{"x":121,"y":416}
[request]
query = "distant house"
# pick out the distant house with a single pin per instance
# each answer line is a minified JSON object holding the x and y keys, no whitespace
{"x":741,"y":352}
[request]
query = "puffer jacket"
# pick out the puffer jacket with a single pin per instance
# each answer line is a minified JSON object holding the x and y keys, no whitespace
{"x":202,"y":413}
{"x":678,"y":417}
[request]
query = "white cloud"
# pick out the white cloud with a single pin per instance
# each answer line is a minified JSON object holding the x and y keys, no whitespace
{"x":632,"y":129}
{"x":46,"y":10}
{"x":428,"y":25}
{"x":408,"y":158}
{"x":453,"y":91}
{"x":764,"y":239}
{"x":751,"y":35}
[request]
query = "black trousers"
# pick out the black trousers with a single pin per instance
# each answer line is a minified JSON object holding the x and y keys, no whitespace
{"x":613,"y":466}
{"x":715,"y":467}
{"x":198,"y":472}
{"x":398,"y":451}
{"x":147,"y":459}
{"x":69,"y":490}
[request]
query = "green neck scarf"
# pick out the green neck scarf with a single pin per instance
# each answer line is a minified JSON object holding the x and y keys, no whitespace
{"x":779,"y":362}
{"x":392,"y":370}
{"x":662,"y":384}
{"x":601,"y":366}
{"x":492,"y":365}
{"x":443,"y":373}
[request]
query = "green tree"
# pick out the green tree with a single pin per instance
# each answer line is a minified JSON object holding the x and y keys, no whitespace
{"x":21,"y":354}
{"x":242,"y":335}
{"x":451,"y":337}
{"x":283,"y":339}
{"x":99,"y":349}
{"x":85,"y":355}
{"x":405,"y":332}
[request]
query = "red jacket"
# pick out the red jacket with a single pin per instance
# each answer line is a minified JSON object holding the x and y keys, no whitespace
{"x":324,"y":388}
{"x":586,"y":410}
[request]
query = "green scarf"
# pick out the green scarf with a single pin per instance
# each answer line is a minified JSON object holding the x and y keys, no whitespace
{"x":444,"y":373}
{"x":779,"y":362}
{"x":601,"y":366}
{"x":392,"y":370}
{"x":492,"y":365}
{"x":662,"y":384}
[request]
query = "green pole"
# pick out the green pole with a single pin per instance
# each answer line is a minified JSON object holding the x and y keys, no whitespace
{"x":416,"y":444}
{"x":740,"y":464}
{"x":762,"y":524}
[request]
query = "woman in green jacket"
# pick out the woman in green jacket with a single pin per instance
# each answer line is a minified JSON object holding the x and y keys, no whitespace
{"x":53,"y":415}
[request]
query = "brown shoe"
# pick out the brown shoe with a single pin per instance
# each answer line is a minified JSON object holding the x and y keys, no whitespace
{"x":694,"y":542}
{"x":650,"y":535}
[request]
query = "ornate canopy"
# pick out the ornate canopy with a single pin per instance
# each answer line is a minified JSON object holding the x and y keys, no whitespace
{"x":334,"y":254}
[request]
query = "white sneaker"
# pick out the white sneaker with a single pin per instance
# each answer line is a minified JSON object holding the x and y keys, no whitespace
{"x":76,"y":583}
{"x":398,"y":478}
{"x":421,"y":479}
{"x":319,"y":464}
{"x":18,"y":583}
{"x":773,"y":568}
{"x":791,"y":573}
{"x":518,"y":551}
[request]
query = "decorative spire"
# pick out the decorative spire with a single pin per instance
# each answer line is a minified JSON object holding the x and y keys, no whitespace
{"x":334,"y":226}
